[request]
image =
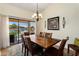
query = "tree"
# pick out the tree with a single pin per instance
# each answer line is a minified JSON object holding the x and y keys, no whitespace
{"x":13,"y":32}
{"x":13,"y":26}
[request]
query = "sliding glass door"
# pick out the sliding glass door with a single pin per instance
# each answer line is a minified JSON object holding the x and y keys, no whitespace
{"x":18,"y":26}
{"x":23,"y":27}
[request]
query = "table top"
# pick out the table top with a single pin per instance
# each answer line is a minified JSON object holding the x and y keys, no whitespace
{"x":45,"y":43}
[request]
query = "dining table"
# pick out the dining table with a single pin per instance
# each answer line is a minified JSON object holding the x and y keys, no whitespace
{"x":44,"y":42}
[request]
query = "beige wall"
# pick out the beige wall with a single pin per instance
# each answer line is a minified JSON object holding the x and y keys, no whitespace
{"x":71,"y":14}
{"x":11,"y":10}
{"x":0,"y":32}
{"x":0,"y":52}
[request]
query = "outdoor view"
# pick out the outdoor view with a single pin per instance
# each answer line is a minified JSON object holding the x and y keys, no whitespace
{"x":15,"y":31}
{"x":16,"y":28}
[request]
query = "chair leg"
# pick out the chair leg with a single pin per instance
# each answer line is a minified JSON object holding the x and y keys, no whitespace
{"x":25,"y":52}
{"x":76,"y":53}
{"x":68,"y":49}
{"x":22,"y":47}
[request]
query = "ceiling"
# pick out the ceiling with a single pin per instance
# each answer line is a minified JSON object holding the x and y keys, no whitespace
{"x":31,"y":6}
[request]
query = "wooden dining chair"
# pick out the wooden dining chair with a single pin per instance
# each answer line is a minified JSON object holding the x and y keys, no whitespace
{"x":74,"y":46}
{"x":52,"y":51}
{"x":48,"y":35}
{"x":41,"y":34}
{"x":23,"y":45}
{"x":23,"y":42}
{"x":33,"y":49}
{"x":26,"y":33}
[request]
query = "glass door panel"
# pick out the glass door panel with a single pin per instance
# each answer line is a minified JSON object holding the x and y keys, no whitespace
{"x":23,"y":27}
{"x":13,"y":32}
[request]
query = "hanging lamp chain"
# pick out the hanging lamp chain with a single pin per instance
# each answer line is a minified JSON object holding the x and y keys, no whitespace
{"x":37,"y":13}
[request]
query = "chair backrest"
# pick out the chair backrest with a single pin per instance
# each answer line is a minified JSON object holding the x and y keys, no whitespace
{"x":32,"y":33}
{"x":62,"y":45}
{"x":23,"y":36}
{"x":26,"y":33}
{"x":29,"y":44}
{"x":41,"y":34}
{"x":22,"y":39}
{"x":48,"y":35}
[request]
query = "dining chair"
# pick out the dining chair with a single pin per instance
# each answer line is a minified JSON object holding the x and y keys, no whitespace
{"x":48,"y":35}
{"x":58,"y":44}
{"x":26,"y":33}
{"x":23,"y":45}
{"x":23,"y":42}
{"x":74,"y":46}
{"x":42,"y":34}
{"x":52,"y":51}
{"x":33,"y":49}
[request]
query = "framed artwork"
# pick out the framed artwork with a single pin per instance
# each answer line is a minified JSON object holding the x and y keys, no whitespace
{"x":53,"y":23}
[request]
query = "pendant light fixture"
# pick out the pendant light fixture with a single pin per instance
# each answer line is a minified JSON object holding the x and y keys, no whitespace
{"x":37,"y":15}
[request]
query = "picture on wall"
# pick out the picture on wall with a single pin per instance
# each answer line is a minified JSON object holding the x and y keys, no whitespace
{"x":53,"y":23}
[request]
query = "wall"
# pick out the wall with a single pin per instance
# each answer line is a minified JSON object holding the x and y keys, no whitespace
{"x":0,"y":32}
{"x":4,"y":31}
{"x":71,"y":14}
{"x":0,"y":52}
{"x":7,"y":10}
{"x":11,"y":10}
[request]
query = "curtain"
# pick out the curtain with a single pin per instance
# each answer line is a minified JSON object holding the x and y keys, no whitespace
{"x":4,"y":31}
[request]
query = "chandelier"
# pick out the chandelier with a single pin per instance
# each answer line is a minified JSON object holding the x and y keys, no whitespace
{"x":37,"y":15}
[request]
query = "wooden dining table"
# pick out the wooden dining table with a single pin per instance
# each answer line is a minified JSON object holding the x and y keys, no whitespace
{"x":45,"y":43}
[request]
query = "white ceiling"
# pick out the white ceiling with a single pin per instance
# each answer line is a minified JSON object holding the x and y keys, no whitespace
{"x":31,"y":6}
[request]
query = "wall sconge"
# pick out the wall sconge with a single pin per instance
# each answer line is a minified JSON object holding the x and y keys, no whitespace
{"x":64,"y":22}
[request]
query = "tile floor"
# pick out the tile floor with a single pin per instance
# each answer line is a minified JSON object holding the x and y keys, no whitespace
{"x":16,"y":50}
